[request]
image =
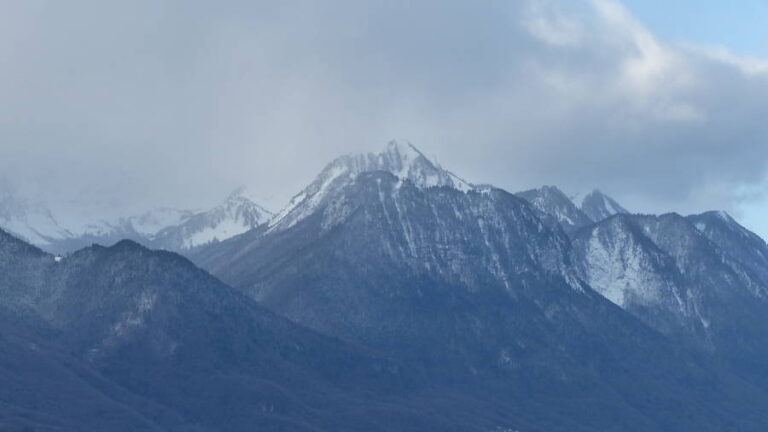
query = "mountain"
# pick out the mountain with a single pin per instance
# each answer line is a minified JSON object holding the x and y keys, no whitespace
{"x":140,"y":228}
{"x":476,"y":287}
{"x":733,"y":239}
{"x":166,"y":228}
{"x":702,"y":279}
{"x":234,"y":216}
{"x":29,"y":220}
{"x":669,"y":273}
{"x":618,"y":258}
{"x":43,"y":387}
{"x":126,"y":338}
{"x":391,"y":295}
{"x":36,"y":224}
{"x":401,"y":159}
{"x":553,"y":204}
{"x":557,"y":208}
{"x":598,"y":206}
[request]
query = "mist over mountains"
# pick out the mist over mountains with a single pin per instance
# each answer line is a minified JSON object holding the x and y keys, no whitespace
{"x":161,"y":228}
{"x":388,"y":295}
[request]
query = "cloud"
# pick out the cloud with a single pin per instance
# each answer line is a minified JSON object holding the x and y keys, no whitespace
{"x":547,"y":22}
{"x":749,"y":65}
{"x":173,"y":103}
{"x":652,"y":73}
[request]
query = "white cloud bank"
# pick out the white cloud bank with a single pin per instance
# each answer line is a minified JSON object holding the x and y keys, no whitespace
{"x":172,"y":103}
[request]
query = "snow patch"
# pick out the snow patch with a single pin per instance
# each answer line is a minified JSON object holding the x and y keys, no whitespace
{"x":221,"y":231}
{"x":619,"y":269}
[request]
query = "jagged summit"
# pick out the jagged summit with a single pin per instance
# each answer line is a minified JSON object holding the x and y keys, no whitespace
{"x":406,"y":162}
{"x":403,"y":160}
{"x":599,"y":206}
{"x":236,"y":215}
{"x":745,"y":246}
{"x":242,"y":194}
{"x":551,"y":201}
{"x":400,"y":158}
{"x":241,"y":203}
{"x":240,"y":197}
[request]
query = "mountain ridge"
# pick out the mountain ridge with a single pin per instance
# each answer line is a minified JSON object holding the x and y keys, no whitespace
{"x":598,"y":206}
{"x":399,"y":297}
{"x":448,"y":279}
{"x":153,"y":326}
{"x":161,"y":228}
{"x":402,"y":160}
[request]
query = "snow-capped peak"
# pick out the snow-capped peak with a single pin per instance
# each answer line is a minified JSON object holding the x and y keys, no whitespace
{"x":401,"y":159}
{"x":236,"y":215}
{"x":599,"y":206}
{"x":31,"y":221}
{"x":406,"y":162}
{"x":239,"y":207}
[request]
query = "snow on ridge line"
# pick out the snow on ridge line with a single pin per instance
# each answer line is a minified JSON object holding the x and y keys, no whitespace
{"x":403,"y":160}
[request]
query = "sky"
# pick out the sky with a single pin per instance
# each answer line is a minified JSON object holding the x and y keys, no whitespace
{"x":712,"y":22}
{"x":111,"y":108}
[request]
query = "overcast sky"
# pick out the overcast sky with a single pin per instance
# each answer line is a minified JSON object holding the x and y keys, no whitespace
{"x":120,"y":106}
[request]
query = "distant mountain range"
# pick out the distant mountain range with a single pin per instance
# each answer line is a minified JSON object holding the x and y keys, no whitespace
{"x":29,"y":220}
{"x":162,"y":228}
{"x":392,"y":295}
